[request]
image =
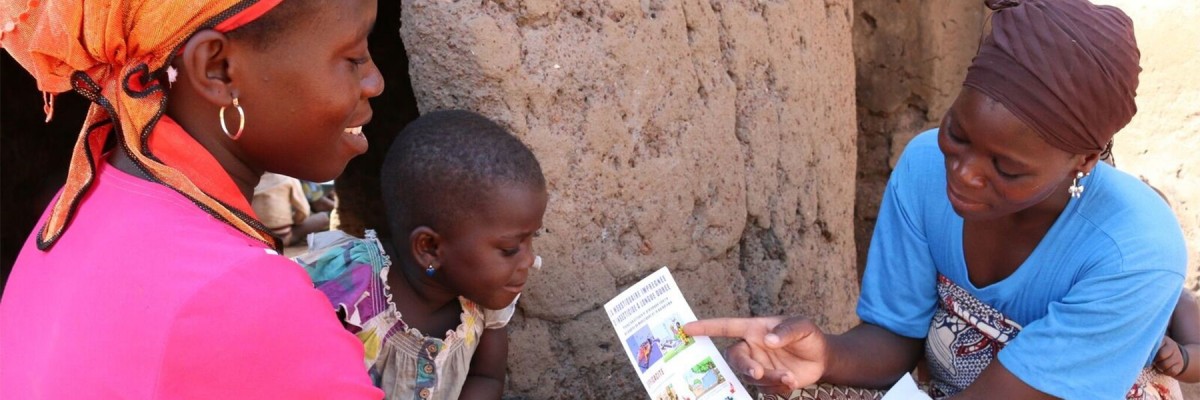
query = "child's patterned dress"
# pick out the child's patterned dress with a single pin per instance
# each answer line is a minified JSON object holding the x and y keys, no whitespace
{"x":402,"y":361}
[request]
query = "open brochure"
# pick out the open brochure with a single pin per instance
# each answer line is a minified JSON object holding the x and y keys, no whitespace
{"x":649,"y":318}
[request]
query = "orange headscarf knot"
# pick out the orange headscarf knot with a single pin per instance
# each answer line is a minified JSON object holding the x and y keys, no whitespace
{"x":113,"y":52}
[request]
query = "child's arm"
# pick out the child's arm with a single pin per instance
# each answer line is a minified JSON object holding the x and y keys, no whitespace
{"x":1183,"y":336}
{"x":485,"y":380}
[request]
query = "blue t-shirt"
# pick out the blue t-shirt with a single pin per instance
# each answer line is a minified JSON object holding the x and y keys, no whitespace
{"x":1093,"y":298}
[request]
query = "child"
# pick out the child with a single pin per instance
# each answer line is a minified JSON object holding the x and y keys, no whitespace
{"x":1174,"y":357}
{"x":464,"y":199}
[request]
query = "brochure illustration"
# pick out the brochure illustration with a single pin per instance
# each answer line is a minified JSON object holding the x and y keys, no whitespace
{"x":649,"y":318}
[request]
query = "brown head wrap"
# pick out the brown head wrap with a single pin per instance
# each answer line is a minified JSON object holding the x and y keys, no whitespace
{"x":1067,"y":68}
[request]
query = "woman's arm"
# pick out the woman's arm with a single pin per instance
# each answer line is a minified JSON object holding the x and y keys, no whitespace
{"x":779,"y":355}
{"x":486,"y":377}
{"x":782,"y":355}
{"x":996,"y":382}
{"x":872,"y":357}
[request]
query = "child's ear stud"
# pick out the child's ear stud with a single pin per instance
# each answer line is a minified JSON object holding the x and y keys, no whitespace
{"x":429,"y":271}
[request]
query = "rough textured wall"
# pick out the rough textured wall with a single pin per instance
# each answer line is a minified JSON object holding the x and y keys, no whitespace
{"x":1162,"y":143}
{"x":715,"y":137}
{"x":911,"y":58}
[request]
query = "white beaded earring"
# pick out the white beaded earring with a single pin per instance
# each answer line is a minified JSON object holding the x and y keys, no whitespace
{"x":1076,"y":189}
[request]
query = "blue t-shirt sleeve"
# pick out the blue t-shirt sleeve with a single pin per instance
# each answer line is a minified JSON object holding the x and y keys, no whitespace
{"x":1095,"y":341}
{"x":899,"y":288}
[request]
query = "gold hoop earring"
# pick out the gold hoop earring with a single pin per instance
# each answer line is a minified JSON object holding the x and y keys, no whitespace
{"x":241,"y":120}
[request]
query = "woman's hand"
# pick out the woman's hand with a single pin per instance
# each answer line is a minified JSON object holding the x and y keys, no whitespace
{"x":777,"y":355}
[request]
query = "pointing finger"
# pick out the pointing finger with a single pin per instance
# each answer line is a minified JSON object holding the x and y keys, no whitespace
{"x":725,"y":327}
{"x":792,"y":330}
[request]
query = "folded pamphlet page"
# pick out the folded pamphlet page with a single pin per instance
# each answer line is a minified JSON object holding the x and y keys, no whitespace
{"x":905,"y":389}
{"x":649,"y":318}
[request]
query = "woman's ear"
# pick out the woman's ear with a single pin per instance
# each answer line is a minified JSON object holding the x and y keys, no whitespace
{"x":426,"y":247}
{"x":204,"y":66}
{"x":1087,"y":162}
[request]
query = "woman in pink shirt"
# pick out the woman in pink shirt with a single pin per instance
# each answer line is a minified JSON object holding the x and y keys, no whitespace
{"x":149,"y":275}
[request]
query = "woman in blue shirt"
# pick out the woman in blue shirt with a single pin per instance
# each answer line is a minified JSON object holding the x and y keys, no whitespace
{"x":1001,"y":237}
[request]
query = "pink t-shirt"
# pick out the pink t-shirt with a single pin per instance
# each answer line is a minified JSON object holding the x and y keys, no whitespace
{"x":147,"y":296}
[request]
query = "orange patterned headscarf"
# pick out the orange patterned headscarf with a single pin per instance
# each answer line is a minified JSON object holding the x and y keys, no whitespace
{"x":114,"y":52}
